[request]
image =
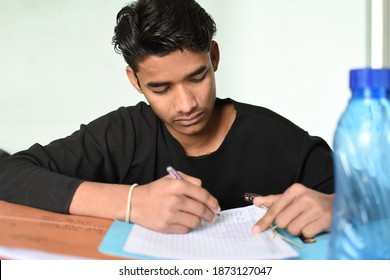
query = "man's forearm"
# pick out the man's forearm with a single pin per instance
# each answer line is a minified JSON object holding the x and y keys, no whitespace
{"x":100,"y":200}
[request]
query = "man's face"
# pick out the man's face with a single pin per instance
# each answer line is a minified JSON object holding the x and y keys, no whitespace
{"x":180,"y":88}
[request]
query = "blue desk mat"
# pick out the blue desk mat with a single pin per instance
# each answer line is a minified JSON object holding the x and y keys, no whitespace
{"x":312,"y":251}
{"x":115,"y":239}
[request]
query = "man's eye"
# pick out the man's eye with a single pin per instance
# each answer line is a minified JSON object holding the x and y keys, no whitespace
{"x":160,"y":91}
{"x":198,"y":80}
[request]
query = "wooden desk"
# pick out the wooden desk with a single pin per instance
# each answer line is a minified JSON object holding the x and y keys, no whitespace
{"x":78,"y":236}
{"x":34,"y":229}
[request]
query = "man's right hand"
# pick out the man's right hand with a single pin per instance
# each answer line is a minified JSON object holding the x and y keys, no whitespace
{"x":173,"y":206}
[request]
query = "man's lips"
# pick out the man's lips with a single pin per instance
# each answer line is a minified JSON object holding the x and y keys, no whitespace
{"x":190,"y":120}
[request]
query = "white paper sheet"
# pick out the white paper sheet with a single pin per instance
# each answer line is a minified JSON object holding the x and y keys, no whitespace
{"x":229,"y":237}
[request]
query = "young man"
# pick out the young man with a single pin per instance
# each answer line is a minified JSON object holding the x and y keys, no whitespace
{"x":222,"y":148}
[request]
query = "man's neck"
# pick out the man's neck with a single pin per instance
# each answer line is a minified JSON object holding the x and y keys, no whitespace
{"x":213,"y":136}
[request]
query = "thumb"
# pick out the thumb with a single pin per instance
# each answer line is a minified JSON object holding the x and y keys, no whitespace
{"x":266,"y":201}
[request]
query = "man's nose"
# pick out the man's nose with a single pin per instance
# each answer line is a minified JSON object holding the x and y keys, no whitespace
{"x":184,"y":100}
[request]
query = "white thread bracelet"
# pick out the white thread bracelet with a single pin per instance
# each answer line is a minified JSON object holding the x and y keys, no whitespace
{"x":130,"y":193}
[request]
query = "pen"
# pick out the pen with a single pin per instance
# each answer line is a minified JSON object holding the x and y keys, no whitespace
{"x":248,"y":197}
{"x":173,"y":173}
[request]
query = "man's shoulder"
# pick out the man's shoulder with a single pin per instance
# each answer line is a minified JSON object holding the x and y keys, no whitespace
{"x":133,"y":115}
{"x":261,"y":115}
{"x":139,"y":108}
{"x":137,"y":111}
{"x":254,"y":110}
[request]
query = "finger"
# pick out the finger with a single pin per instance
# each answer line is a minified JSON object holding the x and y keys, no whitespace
{"x":266,"y":221}
{"x":310,"y":223}
{"x":201,"y":195}
{"x":283,"y":217}
{"x":295,"y":224}
{"x":186,"y":220}
{"x":314,"y":228}
{"x":292,"y":215}
{"x":175,"y":229}
{"x":276,"y":204}
{"x":174,"y":221}
{"x":206,"y":199}
{"x":196,"y":209}
{"x":266,"y":201}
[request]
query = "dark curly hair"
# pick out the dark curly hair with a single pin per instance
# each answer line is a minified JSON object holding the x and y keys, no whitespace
{"x":159,"y":27}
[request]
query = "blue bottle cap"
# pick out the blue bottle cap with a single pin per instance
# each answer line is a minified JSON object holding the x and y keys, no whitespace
{"x":368,"y":78}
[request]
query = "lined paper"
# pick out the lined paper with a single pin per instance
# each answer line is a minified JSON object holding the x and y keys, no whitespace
{"x":230,"y":237}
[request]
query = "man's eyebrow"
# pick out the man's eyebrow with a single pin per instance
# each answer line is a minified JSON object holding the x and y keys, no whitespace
{"x":157,"y":84}
{"x":198,"y":71}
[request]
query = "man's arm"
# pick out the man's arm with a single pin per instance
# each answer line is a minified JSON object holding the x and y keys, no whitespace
{"x":47,"y":176}
{"x":100,"y":200}
{"x":165,"y":205}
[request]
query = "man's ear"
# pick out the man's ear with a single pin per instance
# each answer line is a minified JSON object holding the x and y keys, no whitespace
{"x":214,"y":55}
{"x":133,"y":79}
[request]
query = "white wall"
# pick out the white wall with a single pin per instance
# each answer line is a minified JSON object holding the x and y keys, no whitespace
{"x":58,"y":68}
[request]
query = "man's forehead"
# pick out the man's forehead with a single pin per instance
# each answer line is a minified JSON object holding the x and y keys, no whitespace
{"x":177,"y":63}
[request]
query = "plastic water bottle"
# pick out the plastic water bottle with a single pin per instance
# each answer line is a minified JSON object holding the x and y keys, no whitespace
{"x":361,"y":211}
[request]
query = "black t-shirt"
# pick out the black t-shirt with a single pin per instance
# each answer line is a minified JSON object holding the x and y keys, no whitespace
{"x":262,"y":153}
